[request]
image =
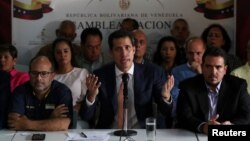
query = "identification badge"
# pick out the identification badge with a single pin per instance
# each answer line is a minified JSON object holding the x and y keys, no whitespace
{"x":50,"y":106}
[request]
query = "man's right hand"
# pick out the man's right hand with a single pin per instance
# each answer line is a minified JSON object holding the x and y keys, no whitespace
{"x":93,"y":86}
{"x":196,"y":67}
{"x":212,"y":121}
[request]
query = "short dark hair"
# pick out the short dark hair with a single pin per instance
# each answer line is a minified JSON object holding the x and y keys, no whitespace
{"x":215,"y":52}
{"x":226,"y":47}
{"x":120,"y":34}
{"x":9,"y":48}
{"x":181,"y":20}
{"x":90,"y":31}
{"x":60,"y":40}
{"x":134,"y":21}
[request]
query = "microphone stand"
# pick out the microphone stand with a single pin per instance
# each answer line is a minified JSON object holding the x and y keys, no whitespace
{"x":125,"y":132}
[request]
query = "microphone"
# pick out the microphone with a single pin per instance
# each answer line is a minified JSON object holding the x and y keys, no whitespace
{"x":125,"y":79}
{"x":125,"y":131}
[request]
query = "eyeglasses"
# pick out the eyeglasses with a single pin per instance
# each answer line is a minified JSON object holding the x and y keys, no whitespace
{"x":42,"y":74}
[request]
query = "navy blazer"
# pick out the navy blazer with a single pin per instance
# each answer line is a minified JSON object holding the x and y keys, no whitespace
{"x":192,"y":105}
{"x":148,"y":82}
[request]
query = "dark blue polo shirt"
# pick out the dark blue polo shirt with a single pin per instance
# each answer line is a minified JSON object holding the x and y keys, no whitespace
{"x":4,"y":98}
{"x":25,"y":102}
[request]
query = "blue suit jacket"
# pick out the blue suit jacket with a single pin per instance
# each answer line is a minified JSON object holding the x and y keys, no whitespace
{"x":148,"y":82}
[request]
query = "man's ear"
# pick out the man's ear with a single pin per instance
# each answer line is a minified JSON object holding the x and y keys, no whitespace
{"x":15,"y":61}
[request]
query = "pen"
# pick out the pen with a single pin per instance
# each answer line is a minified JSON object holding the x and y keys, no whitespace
{"x":83,"y":135}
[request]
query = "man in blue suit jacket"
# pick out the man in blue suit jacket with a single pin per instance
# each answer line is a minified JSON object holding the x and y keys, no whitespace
{"x":147,"y":83}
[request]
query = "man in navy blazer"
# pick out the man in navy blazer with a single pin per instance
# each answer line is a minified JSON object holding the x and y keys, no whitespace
{"x":148,"y":84}
{"x":213,"y":98}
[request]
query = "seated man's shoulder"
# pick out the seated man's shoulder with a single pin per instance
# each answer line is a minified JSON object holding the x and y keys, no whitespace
{"x":180,"y":68}
{"x":59,"y":86}
{"x":105,"y":69}
{"x":234,"y":80}
{"x":106,"y":58}
{"x":192,"y":81}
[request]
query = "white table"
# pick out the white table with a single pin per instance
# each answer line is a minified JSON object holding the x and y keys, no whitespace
{"x":161,"y":135}
{"x":6,"y":135}
{"x":202,"y":137}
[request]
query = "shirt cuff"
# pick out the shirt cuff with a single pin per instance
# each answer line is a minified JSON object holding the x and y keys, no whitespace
{"x":200,"y":126}
{"x":89,"y":103}
{"x":166,"y":101}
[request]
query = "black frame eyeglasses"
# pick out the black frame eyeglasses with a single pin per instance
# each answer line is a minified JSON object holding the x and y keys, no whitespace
{"x":42,"y":74}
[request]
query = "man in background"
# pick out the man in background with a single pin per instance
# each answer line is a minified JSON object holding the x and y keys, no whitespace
{"x":195,"y":48}
{"x":180,"y":31}
{"x":67,"y":30}
{"x":140,"y":47}
{"x":91,"y":56}
{"x":129,"y":24}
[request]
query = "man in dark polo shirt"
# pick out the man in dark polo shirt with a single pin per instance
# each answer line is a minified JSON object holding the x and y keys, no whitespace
{"x":41,"y":103}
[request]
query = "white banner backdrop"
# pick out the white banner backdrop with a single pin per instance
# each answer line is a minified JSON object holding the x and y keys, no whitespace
{"x":34,"y":21}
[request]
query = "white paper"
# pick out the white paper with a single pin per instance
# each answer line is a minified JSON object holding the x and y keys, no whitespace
{"x":91,"y":136}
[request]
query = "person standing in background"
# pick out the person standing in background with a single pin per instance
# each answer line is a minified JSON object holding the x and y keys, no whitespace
{"x":91,"y":56}
{"x":195,"y":48}
{"x":167,"y":54}
{"x":67,"y":30}
{"x":215,"y":35}
{"x":129,"y":24}
{"x":180,"y":31}
{"x":140,"y":47}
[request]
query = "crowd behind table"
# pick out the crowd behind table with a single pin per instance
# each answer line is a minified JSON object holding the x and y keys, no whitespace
{"x":184,"y":82}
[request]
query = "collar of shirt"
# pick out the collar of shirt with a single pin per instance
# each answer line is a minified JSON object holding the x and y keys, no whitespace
{"x":13,"y":72}
{"x":217,"y":88}
{"x":119,"y":72}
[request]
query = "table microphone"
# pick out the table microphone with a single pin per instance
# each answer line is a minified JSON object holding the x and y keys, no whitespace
{"x":125,"y":131}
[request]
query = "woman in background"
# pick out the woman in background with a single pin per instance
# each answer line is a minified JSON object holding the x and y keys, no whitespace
{"x":8,"y":60}
{"x":216,"y":35}
{"x":167,"y":54}
{"x":67,"y":72}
